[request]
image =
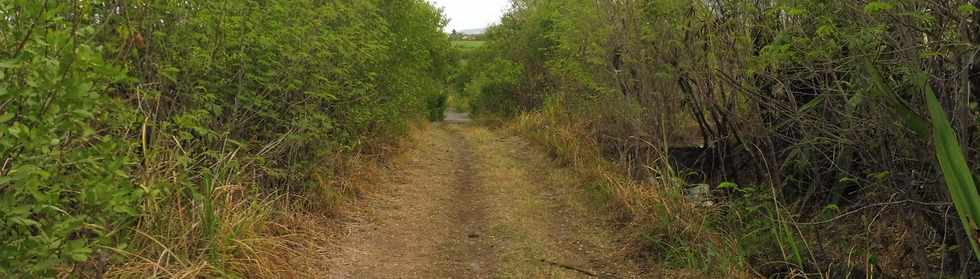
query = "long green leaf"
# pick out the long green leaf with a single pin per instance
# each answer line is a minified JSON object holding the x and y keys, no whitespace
{"x":956,"y":172}
{"x":878,"y":87}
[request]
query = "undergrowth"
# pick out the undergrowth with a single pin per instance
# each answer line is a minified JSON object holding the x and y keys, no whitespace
{"x":163,"y":139}
{"x":257,"y":235}
{"x":662,"y":228}
{"x":795,"y":130}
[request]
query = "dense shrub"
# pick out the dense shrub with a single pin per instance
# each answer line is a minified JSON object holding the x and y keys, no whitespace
{"x":782,"y":97}
{"x":490,"y":91}
{"x":110,"y":108}
{"x":436,"y":107}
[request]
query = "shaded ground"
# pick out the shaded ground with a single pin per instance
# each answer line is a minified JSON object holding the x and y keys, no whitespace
{"x":470,"y":203}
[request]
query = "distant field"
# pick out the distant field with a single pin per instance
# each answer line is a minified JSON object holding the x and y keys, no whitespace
{"x":468,"y":44}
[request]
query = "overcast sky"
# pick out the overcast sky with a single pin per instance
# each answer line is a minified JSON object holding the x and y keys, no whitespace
{"x":472,"y":14}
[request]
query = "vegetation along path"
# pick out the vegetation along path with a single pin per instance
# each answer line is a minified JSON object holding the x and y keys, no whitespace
{"x":467,"y":202}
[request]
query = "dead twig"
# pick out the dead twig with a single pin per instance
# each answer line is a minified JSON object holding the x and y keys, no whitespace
{"x":569,"y":267}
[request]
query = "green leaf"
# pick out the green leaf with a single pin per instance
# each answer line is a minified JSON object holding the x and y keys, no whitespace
{"x":878,"y":7}
{"x":825,"y":30}
{"x":77,"y":250}
{"x":812,"y":104}
{"x":878,"y":87}
{"x":170,"y":73}
{"x":795,"y":11}
{"x":967,"y":9}
{"x":16,"y":130}
{"x":7,"y":64}
{"x":728,"y":186}
{"x":6,"y":117}
{"x":854,"y":101}
{"x":832,"y":207}
{"x":956,"y":172}
{"x":23,"y":221}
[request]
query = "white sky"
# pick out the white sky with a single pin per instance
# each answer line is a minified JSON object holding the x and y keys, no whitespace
{"x":472,"y":14}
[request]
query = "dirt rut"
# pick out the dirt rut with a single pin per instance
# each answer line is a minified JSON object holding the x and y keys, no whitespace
{"x":467,"y":202}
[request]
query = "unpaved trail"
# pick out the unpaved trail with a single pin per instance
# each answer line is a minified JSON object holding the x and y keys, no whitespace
{"x":466,"y":202}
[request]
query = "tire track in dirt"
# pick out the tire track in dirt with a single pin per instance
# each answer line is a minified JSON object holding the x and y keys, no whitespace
{"x":466,"y":202}
{"x":470,"y":245}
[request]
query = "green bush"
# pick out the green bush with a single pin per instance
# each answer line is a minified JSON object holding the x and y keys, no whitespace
{"x":65,"y":182}
{"x":107,"y":105}
{"x":770,"y":93}
{"x":492,"y":90}
{"x":436,"y":107}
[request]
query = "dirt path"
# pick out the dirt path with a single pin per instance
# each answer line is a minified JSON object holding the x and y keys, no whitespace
{"x":470,"y":203}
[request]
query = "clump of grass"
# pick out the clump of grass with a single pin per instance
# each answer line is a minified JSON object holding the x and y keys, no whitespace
{"x":245,"y":237}
{"x":233,"y":229}
{"x":660,"y":225}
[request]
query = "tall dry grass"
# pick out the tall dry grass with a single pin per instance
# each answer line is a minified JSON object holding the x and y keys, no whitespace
{"x":657,"y":220}
{"x":256,"y":234}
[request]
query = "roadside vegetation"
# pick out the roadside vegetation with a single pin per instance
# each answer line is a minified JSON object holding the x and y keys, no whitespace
{"x":725,"y":138}
{"x":834,"y":136}
{"x":463,"y":51}
{"x":183,"y":138}
{"x":468,"y":45}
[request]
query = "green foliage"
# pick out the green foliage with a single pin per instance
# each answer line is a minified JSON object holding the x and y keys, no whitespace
{"x":65,"y":182}
{"x":956,"y":171}
{"x":436,"y":107}
{"x":493,"y":88}
{"x":761,"y":227}
{"x":967,"y":9}
{"x":815,"y":97}
{"x":107,"y":105}
{"x":878,"y":6}
{"x":468,"y":45}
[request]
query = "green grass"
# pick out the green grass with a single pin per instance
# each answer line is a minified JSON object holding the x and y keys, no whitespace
{"x":467,"y":45}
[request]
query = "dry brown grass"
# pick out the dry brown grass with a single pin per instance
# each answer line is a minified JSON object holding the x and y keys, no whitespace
{"x":657,"y":218}
{"x":649,"y":211}
{"x":257,"y":235}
